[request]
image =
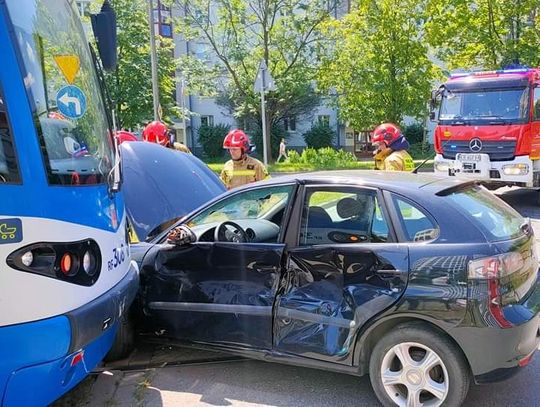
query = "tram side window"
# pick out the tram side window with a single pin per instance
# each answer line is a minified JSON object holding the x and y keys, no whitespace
{"x":8,"y":164}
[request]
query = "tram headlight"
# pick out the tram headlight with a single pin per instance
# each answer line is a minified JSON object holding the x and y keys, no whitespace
{"x":89,"y":263}
{"x":27,"y":258}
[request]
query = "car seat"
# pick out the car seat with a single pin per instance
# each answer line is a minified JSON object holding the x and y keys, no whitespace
{"x":318,"y":218}
{"x":355,"y":214}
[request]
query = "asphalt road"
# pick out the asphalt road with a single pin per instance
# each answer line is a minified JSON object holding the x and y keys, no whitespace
{"x":251,"y":383}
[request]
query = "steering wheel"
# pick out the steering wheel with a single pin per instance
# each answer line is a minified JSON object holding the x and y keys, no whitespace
{"x":230,"y":232}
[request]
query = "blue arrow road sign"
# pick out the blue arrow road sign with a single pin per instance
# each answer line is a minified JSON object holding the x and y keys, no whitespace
{"x":71,"y":102}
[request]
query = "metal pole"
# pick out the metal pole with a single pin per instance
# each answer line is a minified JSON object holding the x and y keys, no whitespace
{"x":153,"y":60}
{"x":263,"y":117}
{"x":183,"y":84}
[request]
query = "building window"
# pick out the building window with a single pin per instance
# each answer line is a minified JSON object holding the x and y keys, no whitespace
{"x":162,"y":20}
{"x":290,"y":123}
{"x":324,"y":119}
{"x":199,"y":50}
{"x":207,"y":120}
{"x":166,"y":30}
{"x":84,"y":7}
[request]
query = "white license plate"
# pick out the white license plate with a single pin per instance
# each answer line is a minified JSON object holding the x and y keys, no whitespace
{"x":469,"y":157}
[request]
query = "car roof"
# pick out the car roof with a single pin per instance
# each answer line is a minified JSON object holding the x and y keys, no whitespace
{"x":397,"y":181}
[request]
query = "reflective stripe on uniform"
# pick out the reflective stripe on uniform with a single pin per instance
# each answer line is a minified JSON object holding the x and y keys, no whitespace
{"x":245,"y":173}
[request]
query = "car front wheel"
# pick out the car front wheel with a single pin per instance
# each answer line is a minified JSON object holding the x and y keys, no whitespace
{"x":415,"y":366}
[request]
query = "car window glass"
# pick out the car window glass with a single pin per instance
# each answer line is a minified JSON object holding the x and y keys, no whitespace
{"x":266,"y":206}
{"x":343,"y":215}
{"x":417,"y":225}
{"x":8,"y":164}
{"x":493,"y":215}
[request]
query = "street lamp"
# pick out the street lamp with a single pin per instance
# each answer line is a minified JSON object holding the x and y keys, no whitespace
{"x":153,"y":60}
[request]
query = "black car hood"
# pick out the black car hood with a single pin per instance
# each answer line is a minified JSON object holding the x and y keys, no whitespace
{"x":162,"y":185}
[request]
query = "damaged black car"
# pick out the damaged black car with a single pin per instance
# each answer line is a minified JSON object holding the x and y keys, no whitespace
{"x":425,"y":284}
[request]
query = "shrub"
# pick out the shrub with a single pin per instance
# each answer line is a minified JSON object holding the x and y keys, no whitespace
{"x":276,"y":134}
{"x":420,"y":151}
{"x":294,"y":157}
{"x":414,"y":133}
{"x":211,"y":139}
{"x":323,"y":158}
{"x":320,"y":135}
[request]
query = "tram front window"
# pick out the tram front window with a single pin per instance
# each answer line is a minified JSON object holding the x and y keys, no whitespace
{"x":64,"y":92}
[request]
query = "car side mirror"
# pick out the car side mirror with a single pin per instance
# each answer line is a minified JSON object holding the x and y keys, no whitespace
{"x":181,"y":236}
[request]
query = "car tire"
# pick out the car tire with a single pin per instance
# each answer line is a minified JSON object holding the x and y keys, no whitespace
{"x":432,"y":362}
{"x":124,"y":341}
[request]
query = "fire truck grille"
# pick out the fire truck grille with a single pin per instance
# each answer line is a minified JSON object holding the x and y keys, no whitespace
{"x":497,"y":150}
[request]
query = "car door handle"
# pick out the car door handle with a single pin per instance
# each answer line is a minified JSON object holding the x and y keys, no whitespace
{"x":265,"y":269}
{"x":393,"y":273}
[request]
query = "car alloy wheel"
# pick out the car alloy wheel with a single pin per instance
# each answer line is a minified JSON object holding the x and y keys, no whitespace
{"x":413,"y":375}
{"x":415,"y":364}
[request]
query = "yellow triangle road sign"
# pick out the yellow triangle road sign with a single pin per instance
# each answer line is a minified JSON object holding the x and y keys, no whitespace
{"x":69,"y":66}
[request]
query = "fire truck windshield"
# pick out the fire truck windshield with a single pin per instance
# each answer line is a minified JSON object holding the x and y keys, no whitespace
{"x":484,"y":106}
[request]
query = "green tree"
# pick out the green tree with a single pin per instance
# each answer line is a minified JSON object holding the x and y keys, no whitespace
{"x":486,"y":33}
{"x":377,"y":62}
{"x":130,"y":84}
{"x":240,"y":33}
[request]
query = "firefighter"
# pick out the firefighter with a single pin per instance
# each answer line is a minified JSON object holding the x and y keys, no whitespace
{"x":123,"y":135}
{"x":391,"y":149}
{"x":157,"y":132}
{"x":241,"y":169}
{"x":178,"y":146}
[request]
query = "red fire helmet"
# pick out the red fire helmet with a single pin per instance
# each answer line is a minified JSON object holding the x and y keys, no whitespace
{"x":124,"y":135}
{"x":387,"y":132}
{"x":237,"y":139}
{"x":156,"y":132}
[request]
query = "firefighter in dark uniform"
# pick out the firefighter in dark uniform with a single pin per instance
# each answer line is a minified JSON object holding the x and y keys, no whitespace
{"x":391,"y":149}
{"x":241,"y":169}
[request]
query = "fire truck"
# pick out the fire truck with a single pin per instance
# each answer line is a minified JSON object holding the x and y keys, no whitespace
{"x":489,"y":127}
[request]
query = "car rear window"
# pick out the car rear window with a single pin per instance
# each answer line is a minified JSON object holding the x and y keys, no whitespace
{"x":494,"y":216}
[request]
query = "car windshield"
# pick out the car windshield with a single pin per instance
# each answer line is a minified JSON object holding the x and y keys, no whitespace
{"x":494,"y":216}
{"x":491,"y":106}
{"x":256,"y":204}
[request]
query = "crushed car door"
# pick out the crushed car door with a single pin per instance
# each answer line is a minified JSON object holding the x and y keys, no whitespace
{"x":217,"y":291}
{"x":344,"y":270}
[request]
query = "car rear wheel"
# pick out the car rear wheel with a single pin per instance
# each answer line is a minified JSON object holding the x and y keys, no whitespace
{"x":414,"y":366}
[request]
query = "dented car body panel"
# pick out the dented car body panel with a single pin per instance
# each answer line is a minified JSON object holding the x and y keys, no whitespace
{"x":329,"y":293}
